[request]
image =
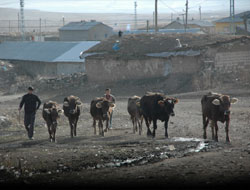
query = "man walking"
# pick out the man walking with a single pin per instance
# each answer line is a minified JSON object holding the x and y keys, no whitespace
{"x":110,"y":98}
{"x":31,"y":104}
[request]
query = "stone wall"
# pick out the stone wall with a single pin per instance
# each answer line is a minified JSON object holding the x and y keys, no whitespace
{"x":228,"y":62}
{"x":104,"y":70}
{"x":35,"y":68}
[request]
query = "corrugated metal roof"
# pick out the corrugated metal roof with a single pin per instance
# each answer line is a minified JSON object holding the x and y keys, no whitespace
{"x":79,"y":25}
{"x":73,"y":54}
{"x":45,"y":51}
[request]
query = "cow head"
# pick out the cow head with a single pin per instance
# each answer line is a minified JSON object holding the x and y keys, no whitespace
{"x":105,"y":105}
{"x":54,"y":114}
{"x":168,"y":105}
{"x":224,"y":102}
{"x":71,"y":104}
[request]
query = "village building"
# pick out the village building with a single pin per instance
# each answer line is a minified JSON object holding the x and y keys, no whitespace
{"x":46,"y":58}
{"x":223,"y":26}
{"x":85,"y":31}
{"x":150,"y":56}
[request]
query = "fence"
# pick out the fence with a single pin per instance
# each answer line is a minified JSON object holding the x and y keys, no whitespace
{"x":35,"y":26}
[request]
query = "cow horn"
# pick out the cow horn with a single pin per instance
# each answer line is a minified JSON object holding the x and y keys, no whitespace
{"x":216,"y":102}
{"x":99,"y":104}
{"x":233,"y":100}
{"x":111,"y":104}
{"x":78,"y":102}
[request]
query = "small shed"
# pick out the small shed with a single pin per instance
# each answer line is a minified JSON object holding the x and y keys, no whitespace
{"x":85,"y":31}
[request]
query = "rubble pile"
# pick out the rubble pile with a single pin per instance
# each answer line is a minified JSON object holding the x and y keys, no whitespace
{"x":60,"y":82}
{"x":4,"y":122}
{"x":13,"y":80}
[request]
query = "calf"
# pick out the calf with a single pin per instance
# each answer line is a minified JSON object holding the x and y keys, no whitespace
{"x":100,"y":109}
{"x":156,"y":106}
{"x":216,"y":107}
{"x":135,"y":113}
{"x":50,"y":114}
{"x":71,"y":107}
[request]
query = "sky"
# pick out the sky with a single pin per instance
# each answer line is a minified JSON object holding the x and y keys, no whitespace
{"x":126,"y":6}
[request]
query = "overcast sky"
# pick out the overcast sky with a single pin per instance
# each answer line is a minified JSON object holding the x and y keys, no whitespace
{"x":127,"y":6}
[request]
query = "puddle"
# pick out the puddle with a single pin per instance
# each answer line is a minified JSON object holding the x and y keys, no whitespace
{"x":160,"y":152}
{"x":202,"y":144}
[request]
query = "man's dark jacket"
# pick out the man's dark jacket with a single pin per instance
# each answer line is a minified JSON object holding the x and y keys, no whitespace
{"x":31,"y":103}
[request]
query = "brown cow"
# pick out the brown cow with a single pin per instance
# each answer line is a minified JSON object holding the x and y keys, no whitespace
{"x":71,"y":107}
{"x":100,"y":109}
{"x":216,"y":107}
{"x":135,"y":113}
{"x":51,"y":112}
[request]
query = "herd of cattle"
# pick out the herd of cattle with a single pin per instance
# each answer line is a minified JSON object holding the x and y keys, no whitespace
{"x":150,"y":107}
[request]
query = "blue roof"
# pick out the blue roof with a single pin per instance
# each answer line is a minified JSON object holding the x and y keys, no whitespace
{"x":45,"y":51}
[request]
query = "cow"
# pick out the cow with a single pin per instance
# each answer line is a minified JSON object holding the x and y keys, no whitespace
{"x":71,"y":107}
{"x":100,"y":109}
{"x":216,"y":107}
{"x":135,"y":113}
{"x":156,"y":106}
{"x":51,"y":113}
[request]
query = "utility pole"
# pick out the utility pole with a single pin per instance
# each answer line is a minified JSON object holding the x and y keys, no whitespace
{"x":153,"y":18}
{"x":18,"y":22}
{"x":135,"y":27}
{"x":40,"y":29}
{"x":186,"y":13}
{"x":156,"y":15}
{"x":22,"y":18}
{"x":232,"y":27}
{"x":200,"y":11}
{"x":147,"y":25}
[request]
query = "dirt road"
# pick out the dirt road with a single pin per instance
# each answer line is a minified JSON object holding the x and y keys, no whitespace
{"x":121,"y":158}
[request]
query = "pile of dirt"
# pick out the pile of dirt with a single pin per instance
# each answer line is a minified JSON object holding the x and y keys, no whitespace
{"x":137,"y":45}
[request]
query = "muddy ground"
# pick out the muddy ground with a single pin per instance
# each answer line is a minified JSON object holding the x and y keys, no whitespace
{"x":120,"y":158}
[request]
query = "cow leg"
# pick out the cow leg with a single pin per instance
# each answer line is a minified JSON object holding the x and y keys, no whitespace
{"x":54,"y":134}
{"x":94,"y":125}
{"x":49,"y":130}
{"x":71,"y":127}
{"x":136,"y":123}
{"x":107,"y":126}
{"x":166,"y":127}
{"x":149,"y":134}
{"x":75,"y":125}
{"x":140,"y":125}
{"x":227,"y":130}
{"x":154,"y":126}
{"x":212,"y":128}
{"x":216,"y":131}
{"x":133,"y":121}
{"x":100,"y":124}
{"x":205,"y":123}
